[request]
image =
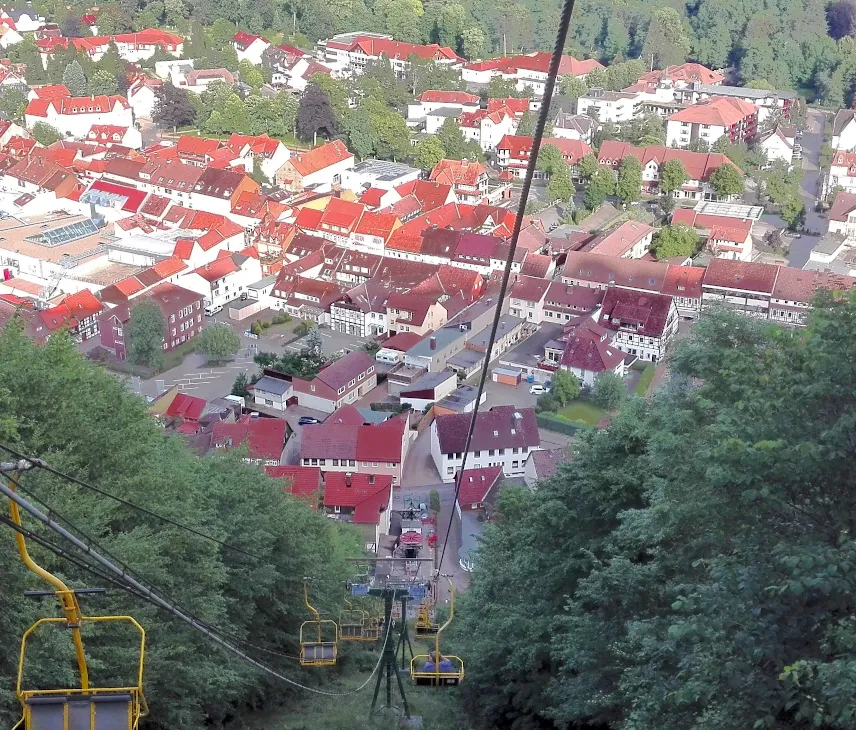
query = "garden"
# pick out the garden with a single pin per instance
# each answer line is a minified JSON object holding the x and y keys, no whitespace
{"x":569,"y":405}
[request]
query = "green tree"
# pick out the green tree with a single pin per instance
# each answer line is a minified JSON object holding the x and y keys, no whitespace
{"x":550,"y":159}
{"x":573,"y":87}
{"x":587,"y":166}
{"x":629,"y":185}
{"x":673,"y":176}
{"x":601,"y":184}
{"x":74,"y":79}
{"x":452,"y":141}
{"x":667,"y":40}
{"x":145,"y":335}
{"x":526,"y":125}
{"x":103,"y":82}
{"x":565,"y":387}
{"x":217,"y":342}
{"x":13,"y":103}
{"x":560,"y":187}
{"x":27,"y":52}
{"x":173,"y":107}
{"x":404,"y":19}
{"x":241,"y":386}
{"x":250,"y":74}
{"x":315,"y":114}
{"x":609,"y":391}
{"x":500,"y":88}
{"x":726,"y":180}
{"x":434,"y":502}
{"x":617,"y":40}
{"x":474,"y":42}
{"x":45,"y":134}
{"x":429,"y":152}
{"x":678,"y":240}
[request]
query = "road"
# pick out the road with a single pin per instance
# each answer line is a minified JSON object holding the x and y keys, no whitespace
{"x":812,"y":141}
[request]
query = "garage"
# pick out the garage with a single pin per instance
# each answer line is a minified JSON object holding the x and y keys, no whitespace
{"x":243,"y":308}
{"x":506,"y":376}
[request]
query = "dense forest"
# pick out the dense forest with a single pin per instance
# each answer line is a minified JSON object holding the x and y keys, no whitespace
{"x":83,"y":421}
{"x":693,"y":566}
{"x":806,"y":45}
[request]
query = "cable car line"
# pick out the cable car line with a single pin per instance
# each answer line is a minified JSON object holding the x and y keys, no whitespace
{"x":169,"y":606}
{"x":549,"y":86}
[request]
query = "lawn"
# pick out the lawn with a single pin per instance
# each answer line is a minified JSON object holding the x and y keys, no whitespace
{"x":582,"y":410}
{"x":645,"y":381}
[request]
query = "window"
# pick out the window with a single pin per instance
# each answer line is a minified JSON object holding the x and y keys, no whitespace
{"x":370,"y":370}
{"x":374,"y":464}
{"x":365,"y":463}
{"x":119,"y":331}
{"x":491,"y":452}
{"x":335,"y":462}
{"x":337,"y":510}
{"x":352,"y":462}
{"x":171,"y":318}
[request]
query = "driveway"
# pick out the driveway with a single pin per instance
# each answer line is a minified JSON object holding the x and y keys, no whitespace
{"x":196,"y":377}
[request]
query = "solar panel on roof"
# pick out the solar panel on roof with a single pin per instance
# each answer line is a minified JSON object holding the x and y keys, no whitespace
{"x":65,"y":234}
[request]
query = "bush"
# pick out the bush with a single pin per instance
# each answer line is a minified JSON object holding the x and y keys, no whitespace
{"x":266,"y":325}
{"x":256,"y":329}
{"x":281,"y":318}
{"x":644,"y":383}
{"x":303,"y":329}
{"x":609,"y":391}
{"x":559,"y":425}
{"x":546,"y":402}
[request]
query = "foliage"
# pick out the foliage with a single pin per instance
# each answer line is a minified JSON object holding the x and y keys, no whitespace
{"x":692,"y":548}
{"x":616,"y":76}
{"x":587,"y":167}
{"x":371,"y":348}
{"x":550,"y":159}
{"x":601,"y":184}
{"x":87,"y":423}
{"x":72,"y":27}
{"x":429,"y":152}
{"x":673,"y":176}
{"x":377,"y":130}
{"x":304,"y":363}
{"x":303,"y":328}
{"x":315,"y":114}
{"x":573,"y":87}
{"x":281,"y":318}
{"x":645,"y":380}
{"x":434,"y":501}
{"x":13,"y":103}
{"x":526,"y":125}
{"x":241,"y":386}
{"x":250,"y":74}
{"x":102,"y":82}
{"x":74,"y":79}
{"x":560,"y":187}
{"x":783,"y":187}
{"x":726,"y":180}
{"x":565,"y":387}
{"x":642,"y":131}
{"x":145,"y":334}
{"x":609,"y":391}
{"x":455,"y":145}
{"x":678,"y":240}
{"x":172,"y":108}
{"x":217,"y":342}
{"x":629,"y":185}
{"x":500,"y":88}
{"x":45,"y":134}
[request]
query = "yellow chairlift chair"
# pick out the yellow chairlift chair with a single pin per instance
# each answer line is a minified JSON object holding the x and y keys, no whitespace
{"x":434,"y":669}
{"x":317,"y":649}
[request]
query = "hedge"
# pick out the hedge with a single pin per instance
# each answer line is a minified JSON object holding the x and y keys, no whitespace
{"x":644,"y":383}
{"x":560,"y":425}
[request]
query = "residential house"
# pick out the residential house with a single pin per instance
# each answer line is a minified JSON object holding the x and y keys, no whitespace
{"x":430,"y":101}
{"x":684,"y":285}
{"x":108,"y":135}
{"x":768,"y":101}
{"x":198,"y":80}
{"x":678,"y":77}
{"x":529,"y":71}
{"x":780,"y":145}
{"x":272,"y":390}
{"x":842,"y":215}
{"x":644,"y":324}
{"x":842,"y":172}
{"x":271,"y":153}
{"x":727,"y":237}
{"x":503,"y":436}
{"x":487,"y":128}
{"x":710,"y":119}
{"x":419,"y":314}
{"x":319,"y":168}
{"x":630,"y":240}
{"x":513,"y":154}
{"x":74,"y":116}
{"x":698,"y":165}
{"x":795,"y":289}
{"x":182,"y":315}
{"x":543,"y":464}
{"x":363,"y":500}
{"x":78,"y":313}
{"x":362,"y":312}
{"x":740,"y":285}
{"x":250,"y":47}
{"x":526,"y":298}
{"x":468,"y":179}
{"x":588,"y":352}
{"x":573,"y":126}
{"x":564,"y":302}
{"x":617,"y":107}
{"x":303,"y":482}
{"x":223,"y":279}
{"x":344,"y":381}
{"x":142,"y":94}
{"x":844,"y":130}
{"x":347,"y":445}
{"x":430,"y":388}
{"x":349,"y":53}
{"x":476,"y":485}
{"x":264,"y":438}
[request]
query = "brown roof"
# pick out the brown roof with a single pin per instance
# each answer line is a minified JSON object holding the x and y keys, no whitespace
{"x":497,"y":428}
{"x":630,"y":273}
{"x":218,"y":183}
{"x":684,"y":281}
{"x":342,"y":371}
{"x":842,"y":206}
{"x":648,"y":313}
{"x":742,"y":275}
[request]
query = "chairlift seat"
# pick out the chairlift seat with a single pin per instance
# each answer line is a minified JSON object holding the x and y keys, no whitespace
{"x":432,"y":676}
{"x":110,"y":711}
{"x":318,"y":654}
{"x":350,"y":632}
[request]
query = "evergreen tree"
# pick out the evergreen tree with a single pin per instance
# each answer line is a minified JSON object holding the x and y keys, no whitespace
{"x":629,"y":185}
{"x":74,"y":79}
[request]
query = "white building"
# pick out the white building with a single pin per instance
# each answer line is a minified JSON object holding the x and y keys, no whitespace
{"x":609,"y":106}
{"x":844,"y":130}
{"x":503,"y":436}
{"x":141,"y":97}
{"x":842,"y":216}
{"x":487,"y":128}
{"x":378,"y":174}
{"x":348,"y":53}
{"x":842,"y":172}
{"x":75,"y":116}
{"x":644,"y":323}
{"x":780,"y":145}
{"x":710,"y":119}
{"x":223,"y":279}
{"x":250,"y":47}
{"x":430,"y":101}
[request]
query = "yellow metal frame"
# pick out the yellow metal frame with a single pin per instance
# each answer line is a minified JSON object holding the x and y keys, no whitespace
{"x":356,"y":617}
{"x":424,"y":625}
{"x":318,"y":623}
{"x":74,"y":619}
{"x":436,"y":677}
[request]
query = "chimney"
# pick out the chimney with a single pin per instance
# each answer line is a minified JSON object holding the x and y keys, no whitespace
{"x":347,"y":479}
{"x":433,"y":343}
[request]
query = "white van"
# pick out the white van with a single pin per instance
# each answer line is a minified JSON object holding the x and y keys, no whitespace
{"x":212,"y":309}
{"x":538,"y":389}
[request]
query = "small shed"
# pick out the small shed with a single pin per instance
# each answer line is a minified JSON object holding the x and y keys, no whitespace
{"x":506,"y":376}
{"x":240,"y":309}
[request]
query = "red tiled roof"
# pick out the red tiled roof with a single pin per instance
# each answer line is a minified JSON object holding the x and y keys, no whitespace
{"x":431,"y":195}
{"x":301,"y":481}
{"x":340,"y":372}
{"x":187,"y":144}
{"x":720,"y":111}
{"x":648,"y":312}
{"x":457,"y":172}
{"x":796,"y":285}
{"x":698,"y":165}
{"x":686,"y":73}
{"x":529,"y":288}
{"x":264,"y":436}
{"x":517,"y":106}
{"x":346,"y":415}
{"x":245,"y":40}
{"x":309,"y":219}
{"x":317,"y":159}
{"x":218,"y":268}
{"x":368,"y":494}
{"x":842,"y":206}
{"x":187,"y":406}
{"x":520,"y":148}
{"x":591,"y":354}
{"x":341,"y":213}
{"x":372,"y":197}
{"x":476,"y":483}
{"x":403,"y":341}
{"x":536,"y":264}
{"x":134,"y":196}
{"x":398,"y":49}
{"x":741,"y":275}
{"x":51,"y":91}
{"x":622,"y":239}
{"x":72,"y":309}
{"x":377,"y":224}
{"x":683,"y":281}
{"x":448,"y":97}
{"x":499,"y":420}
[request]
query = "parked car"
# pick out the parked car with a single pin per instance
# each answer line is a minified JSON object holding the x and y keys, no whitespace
{"x":306,"y":420}
{"x":538,"y":389}
{"x":210,"y":310}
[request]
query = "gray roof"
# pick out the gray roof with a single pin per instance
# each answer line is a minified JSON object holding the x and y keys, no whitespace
{"x":262,"y":283}
{"x":743,"y":92}
{"x":445,"y":111}
{"x":458,"y":401}
{"x":273,"y":385}
{"x":842,"y":118}
{"x":444,"y":337}
{"x":507,"y":323}
{"x":471,"y":529}
{"x":829,"y":244}
{"x":374,"y":417}
{"x":429,"y":381}
{"x":466,"y":359}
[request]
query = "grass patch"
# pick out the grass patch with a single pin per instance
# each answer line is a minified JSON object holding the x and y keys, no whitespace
{"x":582,"y":410}
{"x":644,"y":383}
{"x":171,"y":359}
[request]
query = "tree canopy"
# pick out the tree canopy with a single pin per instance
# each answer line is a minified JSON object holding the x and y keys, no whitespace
{"x":217,"y":342}
{"x":145,"y":334}
{"x":678,"y":240}
{"x":691,"y":566}
{"x":87,"y":423}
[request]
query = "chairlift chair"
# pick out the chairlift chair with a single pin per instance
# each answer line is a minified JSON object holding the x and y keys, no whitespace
{"x":316,"y":647}
{"x":436,"y":670}
{"x":425,"y":627}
